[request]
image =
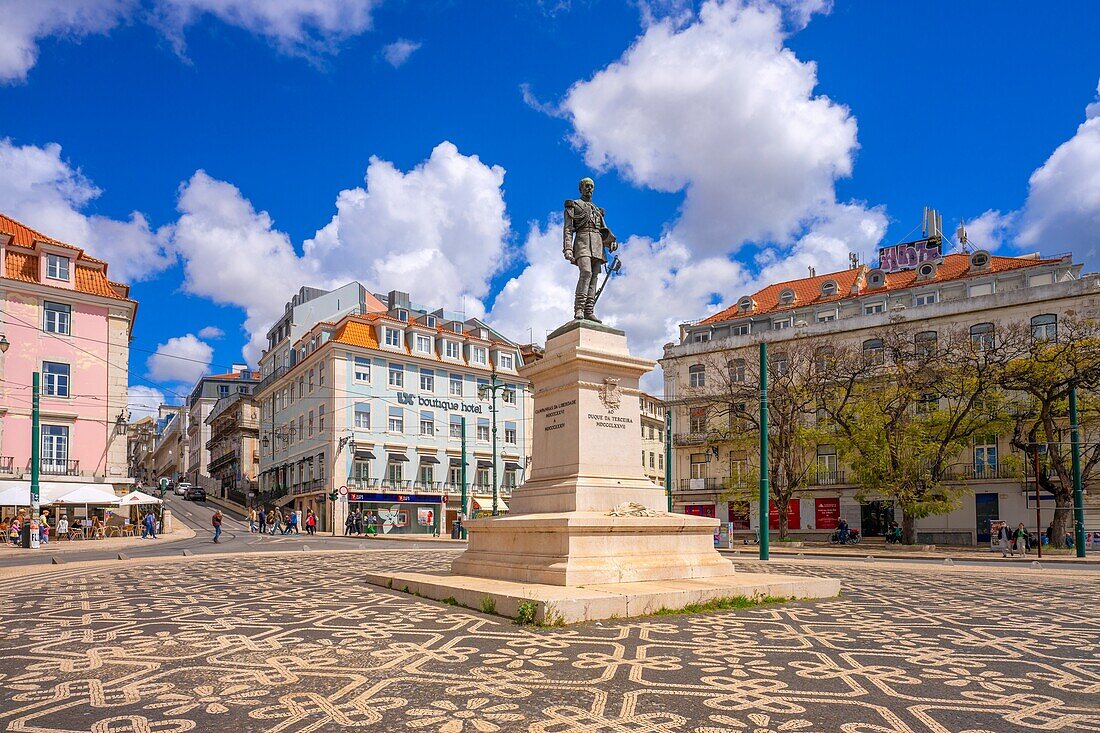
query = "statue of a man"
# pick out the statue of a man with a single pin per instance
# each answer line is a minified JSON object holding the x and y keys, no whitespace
{"x":586,"y":235}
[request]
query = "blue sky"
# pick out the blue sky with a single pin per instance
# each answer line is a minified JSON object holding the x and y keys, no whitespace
{"x":733,"y":146}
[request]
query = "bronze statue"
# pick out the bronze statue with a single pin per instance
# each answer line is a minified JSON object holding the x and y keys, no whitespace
{"x":586,"y":236}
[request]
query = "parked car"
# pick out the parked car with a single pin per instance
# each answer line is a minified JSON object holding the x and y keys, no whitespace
{"x":195,"y":493}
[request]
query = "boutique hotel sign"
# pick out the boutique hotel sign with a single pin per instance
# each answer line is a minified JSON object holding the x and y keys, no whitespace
{"x":407,"y":398}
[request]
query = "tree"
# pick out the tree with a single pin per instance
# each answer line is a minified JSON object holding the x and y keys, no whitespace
{"x":723,"y":401}
{"x":1048,"y":359}
{"x":905,"y":404}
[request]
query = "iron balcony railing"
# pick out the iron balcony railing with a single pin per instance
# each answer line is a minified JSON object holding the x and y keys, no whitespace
{"x":710,"y":483}
{"x":983,"y":473}
{"x":270,"y":378}
{"x":825,"y":478}
{"x":7,"y":464}
{"x":54,"y":467}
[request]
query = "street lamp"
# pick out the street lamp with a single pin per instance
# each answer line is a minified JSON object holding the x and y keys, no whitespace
{"x":120,"y":423}
{"x":4,"y":344}
{"x":509,"y":394}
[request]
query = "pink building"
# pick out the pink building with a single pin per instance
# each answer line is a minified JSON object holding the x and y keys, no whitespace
{"x":64,"y":318}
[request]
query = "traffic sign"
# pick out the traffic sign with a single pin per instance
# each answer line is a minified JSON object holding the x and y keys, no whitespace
{"x":343,"y":490}
{"x":446,"y":498}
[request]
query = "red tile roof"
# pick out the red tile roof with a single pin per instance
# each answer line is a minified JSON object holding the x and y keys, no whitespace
{"x":89,"y":273}
{"x":808,"y":290}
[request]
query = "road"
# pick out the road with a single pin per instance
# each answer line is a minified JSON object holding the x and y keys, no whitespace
{"x":196,"y":515}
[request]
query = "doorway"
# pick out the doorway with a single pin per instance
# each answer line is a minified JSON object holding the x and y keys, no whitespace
{"x":876,"y":517}
{"x":986,"y":509}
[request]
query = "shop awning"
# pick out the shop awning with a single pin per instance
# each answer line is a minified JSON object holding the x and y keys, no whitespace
{"x":18,"y":493}
{"x":485,"y":504}
{"x":362,"y":454}
{"x":512,"y":466}
{"x":484,"y":464}
{"x":401,"y":457}
{"x":87,"y":495}
{"x":136,"y":498}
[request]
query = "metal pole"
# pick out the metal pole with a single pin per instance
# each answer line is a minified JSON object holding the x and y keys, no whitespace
{"x":668,"y":457}
{"x":495,"y":490}
{"x":36,"y":467}
{"x":462,"y":478}
{"x":764,"y":539}
{"x":1078,"y":494}
{"x":1038,"y":516}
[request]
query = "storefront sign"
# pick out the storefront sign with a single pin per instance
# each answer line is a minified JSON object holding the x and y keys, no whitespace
{"x":396,"y":498}
{"x":794,"y":514}
{"x":739,"y":515}
{"x":826,"y":513}
{"x":407,"y":398}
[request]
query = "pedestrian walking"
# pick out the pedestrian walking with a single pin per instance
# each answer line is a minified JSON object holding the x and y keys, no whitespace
{"x":252,"y":520}
{"x":349,"y":524}
{"x":359,"y":522}
{"x":62,"y":527}
{"x":216,"y":521}
{"x":1004,"y":539}
{"x":262,"y":518}
{"x":1020,"y":535}
{"x":276,"y":522}
{"x":292,"y":523}
{"x":311,"y":522}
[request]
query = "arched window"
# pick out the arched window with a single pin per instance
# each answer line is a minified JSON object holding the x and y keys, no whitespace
{"x":1045,"y":327}
{"x":829,"y":287}
{"x":786,"y":296}
{"x":876,"y":279}
{"x":981,"y":335}
{"x":697,"y":375}
{"x":873,"y":351}
{"x":745,"y":304}
{"x":924,"y":343}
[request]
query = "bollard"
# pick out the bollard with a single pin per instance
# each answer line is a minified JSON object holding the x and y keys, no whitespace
{"x":948,"y":561}
{"x":56,"y":560}
{"x":305,"y":548}
{"x":1035,"y":565}
{"x":121,"y":556}
{"x":188,"y":553}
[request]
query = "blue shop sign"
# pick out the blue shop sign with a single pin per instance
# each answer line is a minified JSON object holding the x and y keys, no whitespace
{"x":396,"y":498}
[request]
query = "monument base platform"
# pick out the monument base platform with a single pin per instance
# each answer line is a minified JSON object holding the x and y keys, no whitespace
{"x":557,"y":604}
{"x":585,"y":548}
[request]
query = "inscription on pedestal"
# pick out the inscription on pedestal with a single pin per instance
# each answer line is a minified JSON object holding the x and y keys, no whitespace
{"x":555,"y":413}
{"x":610,"y":421}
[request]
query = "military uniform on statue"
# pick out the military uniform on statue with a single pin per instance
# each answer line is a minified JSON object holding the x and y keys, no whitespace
{"x":585,"y":237}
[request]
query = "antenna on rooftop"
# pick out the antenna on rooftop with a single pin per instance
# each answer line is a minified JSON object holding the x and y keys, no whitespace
{"x":813,"y":272}
{"x":962,"y":237}
{"x":933,"y":224}
{"x":853,"y":260}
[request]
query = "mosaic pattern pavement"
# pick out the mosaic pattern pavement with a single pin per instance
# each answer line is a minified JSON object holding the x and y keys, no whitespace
{"x":297,"y":644}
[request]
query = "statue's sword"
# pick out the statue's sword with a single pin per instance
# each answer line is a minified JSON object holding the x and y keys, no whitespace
{"x":613,"y":265}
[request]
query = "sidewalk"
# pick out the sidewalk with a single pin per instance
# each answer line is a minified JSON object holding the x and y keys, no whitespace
{"x":878,"y":548}
{"x":120,"y":544}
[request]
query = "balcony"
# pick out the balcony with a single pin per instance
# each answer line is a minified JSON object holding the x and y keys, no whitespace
{"x":981,"y":473}
{"x":222,"y":461}
{"x":689,"y":438}
{"x":825,"y":478}
{"x":269,"y":379}
{"x":54,"y":467}
{"x":710,"y":483}
{"x":7,"y":464}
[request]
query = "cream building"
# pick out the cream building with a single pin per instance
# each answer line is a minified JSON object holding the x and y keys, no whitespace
{"x":926,"y":292}
{"x":653,"y":438}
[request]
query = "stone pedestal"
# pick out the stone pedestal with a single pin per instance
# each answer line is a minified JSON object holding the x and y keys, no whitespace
{"x":587,"y":447}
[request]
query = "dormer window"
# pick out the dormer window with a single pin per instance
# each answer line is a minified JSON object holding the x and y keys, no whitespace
{"x":393,"y":338}
{"x":57,"y":267}
{"x":505,"y":361}
{"x":829,"y":287}
{"x":429,"y":321}
{"x":926,"y":271}
{"x":457,"y":327}
{"x":745,"y":304}
{"x":478,"y":355}
{"x":980,"y":260}
{"x":786,"y":296}
{"x":402,"y":315}
{"x":876,"y":279}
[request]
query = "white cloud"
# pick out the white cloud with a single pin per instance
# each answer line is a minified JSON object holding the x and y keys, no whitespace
{"x":991,"y":230}
{"x":398,"y":52}
{"x":1062,"y":212}
{"x":44,"y":192}
{"x":23,"y":23}
{"x":181,"y":359}
{"x":143,"y":401}
{"x":836,"y":232}
{"x":437,"y":231}
{"x":211,"y":332}
{"x":718,"y":108}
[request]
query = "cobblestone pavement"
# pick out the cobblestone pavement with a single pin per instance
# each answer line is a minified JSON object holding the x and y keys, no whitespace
{"x":299,"y":644}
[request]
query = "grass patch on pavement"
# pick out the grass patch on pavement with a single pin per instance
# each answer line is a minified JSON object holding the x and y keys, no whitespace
{"x":722,"y":604}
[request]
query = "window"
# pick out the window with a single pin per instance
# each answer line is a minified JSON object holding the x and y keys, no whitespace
{"x":57,"y":379}
{"x":872,"y":308}
{"x":510,"y":433}
{"x":826,"y":316}
{"x":57,"y":267}
{"x":362,"y":369}
{"x":395,"y":472}
{"x":1045,"y":327}
{"x":310,"y":423}
{"x":452,"y":349}
{"x":876,"y":279}
{"x":483,"y":429}
{"x":360,"y":470}
{"x":455,"y":387}
{"x":301,"y":387}
{"x":423,"y":344}
{"x":780,"y":365}
{"x":786,"y":296}
{"x":979,"y":259}
{"x":311,"y":381}
{"x":321,"y":375}
{"x":397,"y":420}
{"x":982,"y":289}
{"x":402,"y":315}
{"x":823,"y":356}
{"x":928,"y":403}
{"x":56,"y":317}
{"x":393,"y":338}
{"x":700,"y":337}
{"x":826,"y":465}
{"x":510,"y":479}
{"x":924,"y":344}
{"x":509,"y":395}
{"x":426,"y":474}
{"x":427,"y":380}
{"x":478,"y":355}
{"x":985,"y":457}
{"x":741,"y":329}
{"x":782,"y":324}
{"x":698,"y":465}
{"x":828,"y":288}
{"x":697,"y":420}
{"x":873,"y":352}
{"x":505,"y":361}
{"x":242,"y":389}
{"x":737,"y":370}
{"x":697,"y":375}
{"x":660,"y":461}
{"x":321,"y":418}
{"x":981,"y":335}
{"x":301,"y":428}
{"x":427,"y":423}
{"x":745,"y":305}
{"x":55,"y":447}
{"x":652,"y":460}
{"x":483,"y":478}
{"x":397,"y":375}
{"x":429,"y":321}
{"x":456,"y":426}
{"x":223,"y":390}
{"x":926,"y":298}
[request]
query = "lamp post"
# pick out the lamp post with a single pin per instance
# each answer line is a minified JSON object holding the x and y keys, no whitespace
{"x":483,"y":391}
{"x":36,"y":508}
{"x":764,"y":513}
{"x":1078,"y":494}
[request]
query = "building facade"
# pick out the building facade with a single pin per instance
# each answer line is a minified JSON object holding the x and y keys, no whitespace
{"x":140,"y":441}
{"x":975,"y":291}
{"x":234,"y":446}
{"x":65,"y":319}
{"x":170,"y":449}
{"x":653,"y":438}
{"x":200,"y":404}
{"x":382,"y":402}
